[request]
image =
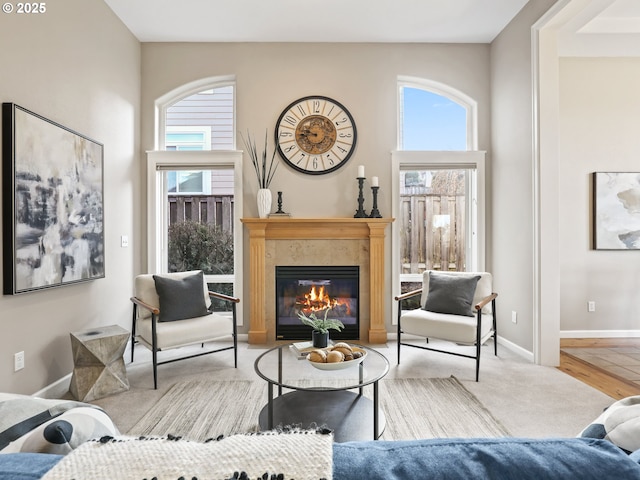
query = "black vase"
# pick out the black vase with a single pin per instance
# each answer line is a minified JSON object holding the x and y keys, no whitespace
{"x":320,"y":340}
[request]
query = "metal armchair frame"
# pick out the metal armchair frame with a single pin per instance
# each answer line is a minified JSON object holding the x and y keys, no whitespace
{"x":155,"y":313}
{"x":478,"y":308}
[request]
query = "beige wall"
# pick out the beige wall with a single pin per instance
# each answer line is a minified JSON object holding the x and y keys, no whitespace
{"x":363,"y":77}
{"x":599,"y":115}
{"x":588,"y":122}
{"x":78,"y":65}
{"x":511,"y":173}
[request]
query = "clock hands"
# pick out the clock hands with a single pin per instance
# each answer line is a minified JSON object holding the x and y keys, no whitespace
{"x":308,"y":132}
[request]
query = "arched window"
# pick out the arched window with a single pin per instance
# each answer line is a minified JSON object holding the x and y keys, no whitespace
{"x":438,"y":197}
{"x":434,"y":116}
{"x":198,"y":116}
{"x":194,"y":181}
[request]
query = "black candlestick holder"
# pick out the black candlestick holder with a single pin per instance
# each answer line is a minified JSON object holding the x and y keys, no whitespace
{"x":280,"y":203}
{"x":360,"y":213}
{"x":374,"y":211}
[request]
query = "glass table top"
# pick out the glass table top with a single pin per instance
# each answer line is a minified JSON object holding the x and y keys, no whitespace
{"x":282,"y":366}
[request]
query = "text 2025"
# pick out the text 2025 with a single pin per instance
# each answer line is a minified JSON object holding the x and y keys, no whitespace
{"x":31,"y":7}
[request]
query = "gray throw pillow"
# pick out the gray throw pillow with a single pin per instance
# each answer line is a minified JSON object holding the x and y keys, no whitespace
{"x":451,"y":294}
{"x":181,"y":298}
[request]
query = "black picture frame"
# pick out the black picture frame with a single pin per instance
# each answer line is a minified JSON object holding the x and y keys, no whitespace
{"x":52,"y":203}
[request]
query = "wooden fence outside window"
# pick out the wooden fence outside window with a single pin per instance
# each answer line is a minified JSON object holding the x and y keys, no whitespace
{"x":213,"y":209}
{"x":432,"y":232}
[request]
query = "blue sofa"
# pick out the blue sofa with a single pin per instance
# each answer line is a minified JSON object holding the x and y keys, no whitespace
{"x":496,"y":458}
{"x":443,"y":459}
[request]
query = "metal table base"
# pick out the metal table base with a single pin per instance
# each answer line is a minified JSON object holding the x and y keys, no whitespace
{"x":351,"y":416}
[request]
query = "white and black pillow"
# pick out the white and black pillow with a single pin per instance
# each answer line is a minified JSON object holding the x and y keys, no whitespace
{"x":36,"y":425}
{"x":181,"y":298}
{"x":619,"y":423}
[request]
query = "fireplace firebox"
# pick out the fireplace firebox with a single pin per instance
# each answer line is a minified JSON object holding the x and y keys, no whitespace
{"x":316,"y":289}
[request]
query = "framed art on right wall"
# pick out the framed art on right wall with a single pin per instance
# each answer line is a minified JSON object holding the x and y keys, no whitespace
{"x":616,"y":210}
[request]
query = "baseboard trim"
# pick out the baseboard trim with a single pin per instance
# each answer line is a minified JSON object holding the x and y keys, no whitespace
{"x":60,"y":387}
{"x":517,"y":349}
{"x":57,"y":389}
{"x":600,"y":334}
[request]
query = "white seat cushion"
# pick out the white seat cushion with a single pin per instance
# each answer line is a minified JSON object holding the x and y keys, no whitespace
{"x":454,"y":328}
{"x":186,"y":332}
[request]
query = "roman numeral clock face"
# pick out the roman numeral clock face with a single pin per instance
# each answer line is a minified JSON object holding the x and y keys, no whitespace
{"x":316,"y":135}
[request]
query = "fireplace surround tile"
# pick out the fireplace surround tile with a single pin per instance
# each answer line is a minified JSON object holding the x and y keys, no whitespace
{"x":295,"y":253}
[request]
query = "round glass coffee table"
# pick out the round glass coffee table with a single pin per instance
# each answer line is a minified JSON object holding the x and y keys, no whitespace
{"x":322,"y":397}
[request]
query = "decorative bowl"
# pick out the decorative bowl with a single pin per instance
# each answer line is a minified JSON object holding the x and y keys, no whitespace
{"x":340,"y":365}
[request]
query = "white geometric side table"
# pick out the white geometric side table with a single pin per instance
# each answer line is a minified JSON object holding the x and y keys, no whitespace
{"x":98,"y":362}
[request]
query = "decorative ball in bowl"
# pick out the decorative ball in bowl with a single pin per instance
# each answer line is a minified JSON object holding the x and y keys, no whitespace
{"x":337,"y":357}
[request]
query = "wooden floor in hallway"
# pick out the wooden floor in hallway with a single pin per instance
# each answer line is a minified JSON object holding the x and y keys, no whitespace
{"x":611,"y":365}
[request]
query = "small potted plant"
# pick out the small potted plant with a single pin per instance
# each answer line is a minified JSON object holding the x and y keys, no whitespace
{"x":321,"y":327}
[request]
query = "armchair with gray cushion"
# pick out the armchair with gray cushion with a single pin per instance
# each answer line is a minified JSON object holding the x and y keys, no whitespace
{"x":173,"y":310}
{"x":452,"y":309}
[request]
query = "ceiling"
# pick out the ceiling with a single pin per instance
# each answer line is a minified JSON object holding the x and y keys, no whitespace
{"x":599,"y":28}
{"x":456,"y":21}
{"x":586,"y":27}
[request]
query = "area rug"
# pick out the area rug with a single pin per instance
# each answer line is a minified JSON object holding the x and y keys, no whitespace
{"x":414,"y":408}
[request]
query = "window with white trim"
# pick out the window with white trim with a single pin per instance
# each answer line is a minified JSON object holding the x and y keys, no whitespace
{"x":438,"y":192}
{"x":194,"y":185}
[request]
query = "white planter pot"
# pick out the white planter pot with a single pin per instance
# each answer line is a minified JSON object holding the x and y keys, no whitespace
{"x":264,"y":202}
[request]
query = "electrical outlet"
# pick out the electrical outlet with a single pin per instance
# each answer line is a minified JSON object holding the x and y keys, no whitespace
{"x":124,"y":241}
{"x":591,"y":306}
{"x":514,"y":317}
{"x":18,"y":361}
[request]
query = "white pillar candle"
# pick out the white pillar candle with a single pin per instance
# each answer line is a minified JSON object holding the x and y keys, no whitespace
{"x":374,"y":181}
{"x":360,"y":171}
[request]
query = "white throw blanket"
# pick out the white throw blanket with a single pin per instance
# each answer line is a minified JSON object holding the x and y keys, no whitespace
{"x":299,"y":455}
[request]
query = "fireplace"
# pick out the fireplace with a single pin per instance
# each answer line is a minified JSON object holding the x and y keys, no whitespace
{"x":317,"y":241}
{"x":319,"y":290}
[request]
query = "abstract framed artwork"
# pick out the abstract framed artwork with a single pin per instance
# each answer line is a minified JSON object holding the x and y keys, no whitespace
{"x":52,"y":203}
{"x":616,"y":210}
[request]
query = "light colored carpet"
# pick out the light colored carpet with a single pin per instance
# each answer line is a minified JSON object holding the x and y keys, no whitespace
{"x":414,"y":408}
{"x":529,"y":400}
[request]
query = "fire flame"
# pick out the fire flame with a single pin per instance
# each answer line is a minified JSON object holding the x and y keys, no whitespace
{"x":318,"y":300}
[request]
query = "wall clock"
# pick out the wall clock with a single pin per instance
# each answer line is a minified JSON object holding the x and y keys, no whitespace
{"x":315,"y":135}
